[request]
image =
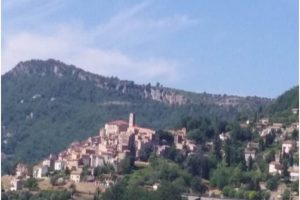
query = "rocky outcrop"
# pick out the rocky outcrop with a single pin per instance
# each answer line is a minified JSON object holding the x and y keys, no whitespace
{"x":169,"y":96}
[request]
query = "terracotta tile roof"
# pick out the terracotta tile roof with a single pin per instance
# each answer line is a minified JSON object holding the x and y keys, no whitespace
{"x":123,"y":125}
{"x":141,"y":129}
{"x":118,"y":122}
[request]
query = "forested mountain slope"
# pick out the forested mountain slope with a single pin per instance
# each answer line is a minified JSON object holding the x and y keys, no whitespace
{"x":281,"y":108}
{"x":47,"y":104}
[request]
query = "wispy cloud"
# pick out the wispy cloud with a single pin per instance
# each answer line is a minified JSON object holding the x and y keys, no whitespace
{"x":129,"y":28}
{"x":18,"y":14}
{"x":73,"y":49}
{"x":101,"y":49}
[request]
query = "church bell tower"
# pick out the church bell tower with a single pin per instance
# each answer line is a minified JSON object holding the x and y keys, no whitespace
{"x":131,"y":120}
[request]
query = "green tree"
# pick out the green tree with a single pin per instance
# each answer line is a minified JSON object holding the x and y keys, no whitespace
{"x":72,"y":189}
{"x":67,"y":171}
{"x":270,"y":156}
{"x":227,"y":150}
{"x":196,"y":185}
{"x":168,"y":192}
{"x":115,"y":192}
{"x":220,"y":176}
{"x":53,"y":180}
{"x":295,"y":135}
{"x":236,"y":176}
{"x":217,"y":147}
{"x":291,"y":159}
{"x":31,"y":184}
{"x":272,"y":183}
{"x":295,"y":187}
{"x":165,"y":137}
{"x":261,"y":144}
{"x":250,"y":163}
{"x":252,"y":195}
{"x":193,"y":163}
{"x":125,"y":166}
{"x":264,"y":195}
{"x":285,"y":172}
{"x":97,"y":195}
{"x":286,"y":194}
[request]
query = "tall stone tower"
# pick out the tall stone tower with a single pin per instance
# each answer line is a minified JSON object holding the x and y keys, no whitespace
{"x":131,"y":120}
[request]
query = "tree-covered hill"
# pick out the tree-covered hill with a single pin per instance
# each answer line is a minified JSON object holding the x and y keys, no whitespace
{"x":47,"y":104}
{"x":281,"y":108}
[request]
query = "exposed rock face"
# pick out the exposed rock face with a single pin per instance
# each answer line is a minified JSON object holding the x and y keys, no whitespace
{"x":169,"y":96}
{"x":59,"y":69}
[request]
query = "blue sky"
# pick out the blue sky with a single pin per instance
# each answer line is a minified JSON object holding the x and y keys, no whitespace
{"x":246,"y":48}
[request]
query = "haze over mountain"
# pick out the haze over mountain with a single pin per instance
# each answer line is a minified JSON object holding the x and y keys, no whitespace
{"x":47,"y":104}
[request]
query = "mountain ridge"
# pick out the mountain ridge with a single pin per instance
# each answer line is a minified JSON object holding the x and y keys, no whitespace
{"x":159,"y":93}
{"x":45,"y":108}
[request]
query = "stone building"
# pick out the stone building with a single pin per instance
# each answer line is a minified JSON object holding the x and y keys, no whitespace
{"x":275,"y":168}
{"x":75,"y":176}
{"x":21,"y":170}
{"x":15,"y":184}
{"x":288,"y":146}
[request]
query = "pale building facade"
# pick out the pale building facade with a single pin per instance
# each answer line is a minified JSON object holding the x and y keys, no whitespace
{"x":250,"y":152}
{"x":275,"y":168}
{"x":15,"y":184}
{"x":40,"y":171}
{"x":21,"y":170}
{"x":59,"y":165}
{"x":294,"y":173}
{"x":288,"y":146}
{"x":75,"y":176}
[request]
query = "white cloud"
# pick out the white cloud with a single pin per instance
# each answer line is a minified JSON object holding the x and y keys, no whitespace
{"x":129,"y":28}
{"x":101,"y":49}
{"x":68,"y":46}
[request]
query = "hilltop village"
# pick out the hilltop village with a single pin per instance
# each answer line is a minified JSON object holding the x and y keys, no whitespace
{"x":124,"y":140}
{"x":116,"y":140}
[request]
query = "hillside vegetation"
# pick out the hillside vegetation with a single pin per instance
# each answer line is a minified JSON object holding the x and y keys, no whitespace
{"x":281,"y":108}
{"x":47,"y":104}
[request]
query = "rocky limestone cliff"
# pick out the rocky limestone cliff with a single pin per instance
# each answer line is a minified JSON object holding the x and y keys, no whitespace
{"x":56,"y":68}
{"x":166,"y":95}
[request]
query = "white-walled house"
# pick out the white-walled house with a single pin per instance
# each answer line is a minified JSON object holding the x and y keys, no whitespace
{"x":15,"y":184}
{"x":288,"y":146}
{"x":21,"y":170}
{"x":40,"y":171}
{"x":96,"y":160}
{"x":294,"y":173}
{"x":249,"y":152}
{"x":75,"y":176}
{"x":59,"y":165}
{"x":224,"y":136}
{"x":275,"y":168}
{"x":265,"y":121}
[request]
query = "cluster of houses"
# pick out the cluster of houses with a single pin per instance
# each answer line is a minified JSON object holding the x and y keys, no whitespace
{"x":276,"y":166}
{"x":181,"y":142}
{"x":283,"y":136}
{"x":116,"y":140}
{"x":22,"y":171}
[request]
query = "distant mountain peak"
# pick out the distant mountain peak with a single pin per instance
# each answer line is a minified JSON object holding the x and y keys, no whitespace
{"x":59,"y":69}
{"x":41,"y":67}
